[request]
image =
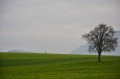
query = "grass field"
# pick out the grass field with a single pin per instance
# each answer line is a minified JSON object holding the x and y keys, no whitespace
{"x":58,"y":66}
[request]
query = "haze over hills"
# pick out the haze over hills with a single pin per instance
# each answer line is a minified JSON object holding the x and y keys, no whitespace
{"x":17,"y":51}
{"x":84,"y":48}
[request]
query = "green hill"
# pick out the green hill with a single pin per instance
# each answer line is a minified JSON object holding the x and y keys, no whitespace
{"x":58,"y":66}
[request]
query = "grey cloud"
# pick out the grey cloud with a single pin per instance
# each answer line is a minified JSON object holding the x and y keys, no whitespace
{"x":53,"y":25}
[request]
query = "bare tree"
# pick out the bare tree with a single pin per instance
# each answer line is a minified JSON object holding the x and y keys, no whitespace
{"x":101,"y":39}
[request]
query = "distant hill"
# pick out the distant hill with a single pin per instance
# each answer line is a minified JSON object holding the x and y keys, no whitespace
{"x":84,"y":49}
{"x":16,"y":51}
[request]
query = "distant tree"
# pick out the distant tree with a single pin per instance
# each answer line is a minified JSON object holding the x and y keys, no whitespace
{"x":101,"y":39}
{"x":45,"y":52}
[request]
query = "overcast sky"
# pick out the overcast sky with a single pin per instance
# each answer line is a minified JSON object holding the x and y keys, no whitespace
{"x":54,"y":26}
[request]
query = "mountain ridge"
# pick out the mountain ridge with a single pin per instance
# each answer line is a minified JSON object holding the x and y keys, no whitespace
{"x":84,"y":48}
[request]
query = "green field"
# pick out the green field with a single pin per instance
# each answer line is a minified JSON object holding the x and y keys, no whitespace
{"x":58,"y":66}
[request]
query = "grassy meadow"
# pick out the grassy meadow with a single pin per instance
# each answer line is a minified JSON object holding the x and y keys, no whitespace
{"x":58,"y":66}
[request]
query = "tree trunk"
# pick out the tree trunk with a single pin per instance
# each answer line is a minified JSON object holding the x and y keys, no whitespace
{"x":99,"y":54}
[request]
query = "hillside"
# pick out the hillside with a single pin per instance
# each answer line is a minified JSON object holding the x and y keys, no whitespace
{"x":57,"y":66}
{"x":84,"y":49}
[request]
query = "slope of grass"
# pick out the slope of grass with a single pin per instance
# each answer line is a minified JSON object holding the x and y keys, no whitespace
{"x":58,"y":66}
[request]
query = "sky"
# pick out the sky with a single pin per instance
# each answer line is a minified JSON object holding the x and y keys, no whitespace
{"x":54,"y":26}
